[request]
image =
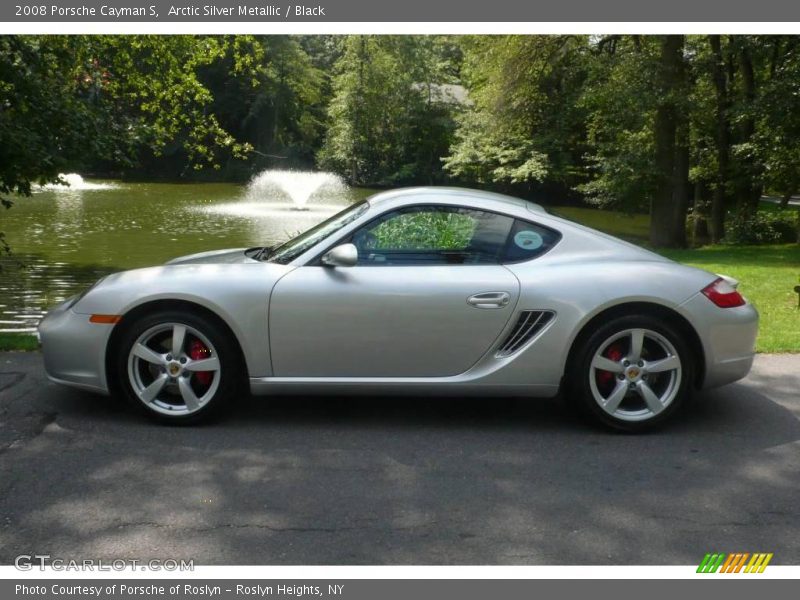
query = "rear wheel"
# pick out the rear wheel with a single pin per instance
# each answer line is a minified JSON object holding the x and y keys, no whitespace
{"x":632,"y":373}
{"x":179,"y":367}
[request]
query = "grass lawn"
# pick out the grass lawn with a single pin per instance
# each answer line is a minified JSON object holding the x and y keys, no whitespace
{"x":767,"y":274}
{"x":18,"y":341}
{"x":633,"y":228}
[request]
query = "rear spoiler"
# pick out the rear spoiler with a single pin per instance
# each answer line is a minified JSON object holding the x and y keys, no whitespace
{"x":734,"y":283}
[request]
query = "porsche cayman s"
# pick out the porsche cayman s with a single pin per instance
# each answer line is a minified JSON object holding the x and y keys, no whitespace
{"x":436,"y":291}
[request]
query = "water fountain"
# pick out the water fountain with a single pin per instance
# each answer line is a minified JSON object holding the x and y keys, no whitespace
{"x":73,"y":182}
{"x":288,"y":196}
{"x":298,"y":186}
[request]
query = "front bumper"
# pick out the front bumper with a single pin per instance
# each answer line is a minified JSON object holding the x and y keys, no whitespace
{"x":74,"y":349}
{"x":728,"y":336}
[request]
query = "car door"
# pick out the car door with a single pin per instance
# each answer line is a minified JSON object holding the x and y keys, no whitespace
{"x":427,"y":298}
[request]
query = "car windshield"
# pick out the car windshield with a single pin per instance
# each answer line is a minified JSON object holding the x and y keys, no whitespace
{"x":288,"y":251}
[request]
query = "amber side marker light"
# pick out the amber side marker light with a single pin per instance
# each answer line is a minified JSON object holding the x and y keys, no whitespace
{"x":105,"y":319}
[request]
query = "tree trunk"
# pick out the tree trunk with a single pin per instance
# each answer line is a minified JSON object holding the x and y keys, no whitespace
{"x":700,"y":234}
{"x":719,"y":198}
{"x":748,"y":193}
{"x":798,"y":226}
{"x":671,"y":199}
{"x":680,"y":186}
{"x":661,"y":206}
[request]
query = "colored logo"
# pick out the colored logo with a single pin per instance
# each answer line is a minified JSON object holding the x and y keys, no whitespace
{"x":735,"y":563}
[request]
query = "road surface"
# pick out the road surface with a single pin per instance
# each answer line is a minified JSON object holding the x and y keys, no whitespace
{"x":398,"y":480}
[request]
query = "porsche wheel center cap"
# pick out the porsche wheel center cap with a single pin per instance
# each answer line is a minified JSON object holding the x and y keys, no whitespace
{"x":174,"y":368}
{"x":634,"y":373}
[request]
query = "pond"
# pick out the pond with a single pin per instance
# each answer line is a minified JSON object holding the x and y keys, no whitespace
{"x":64,"y":239}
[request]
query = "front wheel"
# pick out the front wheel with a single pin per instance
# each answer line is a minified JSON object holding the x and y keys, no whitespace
{"x":632,"y":373}
{"x":178,"y":367}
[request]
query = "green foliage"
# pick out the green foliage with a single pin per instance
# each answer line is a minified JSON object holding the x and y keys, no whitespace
{"x":160,"y":103}
{"x":777,"y":110}
{"x":485,"y":154}
{"x":601,"y":115}
{"x":70,"y":102}
{"x":268,"y":92}
{"x":621,"y":108}
{"x":154,"y":88}
{"x":617,"y":117}
{"x":47,"y":117}
{"x":525,"y":123}
{"x":425,"y":231}
{"x":389,"y":122}
{"x":764,"y":227}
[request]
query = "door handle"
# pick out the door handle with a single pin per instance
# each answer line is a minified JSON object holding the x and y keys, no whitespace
{"x":490,"y":300}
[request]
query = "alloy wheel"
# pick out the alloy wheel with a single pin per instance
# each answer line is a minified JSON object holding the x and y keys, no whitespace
{"x":174,"y":369}
{"x":635,"y":374}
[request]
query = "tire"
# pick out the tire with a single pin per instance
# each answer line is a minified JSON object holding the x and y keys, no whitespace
{"x":179,"y":367}
{"x":632,"y":373}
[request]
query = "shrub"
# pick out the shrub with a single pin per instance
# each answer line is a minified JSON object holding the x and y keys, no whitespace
{"x":425,"y":230}
{"x":761,"y":228}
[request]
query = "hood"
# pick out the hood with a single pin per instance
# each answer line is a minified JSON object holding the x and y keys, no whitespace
{"x":235,"y":255}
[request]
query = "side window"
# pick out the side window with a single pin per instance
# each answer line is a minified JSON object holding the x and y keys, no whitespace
{"x":528,"y":241}
{"x":433,"y":235}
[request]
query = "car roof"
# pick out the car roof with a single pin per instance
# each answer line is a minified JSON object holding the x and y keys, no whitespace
{"x":499,"y":201}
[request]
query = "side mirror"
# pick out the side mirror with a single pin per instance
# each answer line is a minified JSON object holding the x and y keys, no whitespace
{"x":345,"y":255}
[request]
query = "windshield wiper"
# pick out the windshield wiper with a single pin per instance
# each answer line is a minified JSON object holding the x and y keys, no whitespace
{"x":260,"y":253}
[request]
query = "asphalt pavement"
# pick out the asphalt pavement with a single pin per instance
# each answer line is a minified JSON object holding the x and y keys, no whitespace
{"x":398,"y":480}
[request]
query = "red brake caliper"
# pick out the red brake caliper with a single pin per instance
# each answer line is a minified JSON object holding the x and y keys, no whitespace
{"x":605,"y":377}
{"x":198,"y":351}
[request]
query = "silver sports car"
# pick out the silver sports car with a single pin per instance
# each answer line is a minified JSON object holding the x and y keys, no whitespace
{"x":415,"y":291}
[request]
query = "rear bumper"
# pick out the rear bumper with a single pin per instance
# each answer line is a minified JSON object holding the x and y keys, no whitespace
{"x":74,"y":349}
{"x":728,"y":336}
{"x":727,"y":371}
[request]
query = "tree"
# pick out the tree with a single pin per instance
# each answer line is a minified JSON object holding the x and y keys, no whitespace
{"x":524,"y":123}
{"x":387,"y":121}
{"x":722,"y":138}
{"x":47,"y":121}
{"x":751,"y":139}
{"x":673,"y":125}
{"x":635,"y":123}
{"x":68,"y":101}
{"x":268,"y":93}
{"x":671,"y":139}
{"x":620,"y":104}
{"x":778,"y":116}
{"x":71,"y":101}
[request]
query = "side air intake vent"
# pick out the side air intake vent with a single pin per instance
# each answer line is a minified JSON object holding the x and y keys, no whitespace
{"x":529,"y":324}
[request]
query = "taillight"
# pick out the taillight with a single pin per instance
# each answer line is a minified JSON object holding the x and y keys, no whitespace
{"x":723,"y":294}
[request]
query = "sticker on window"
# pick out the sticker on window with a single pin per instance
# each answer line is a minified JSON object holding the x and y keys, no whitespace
{"x":528,"y":240}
